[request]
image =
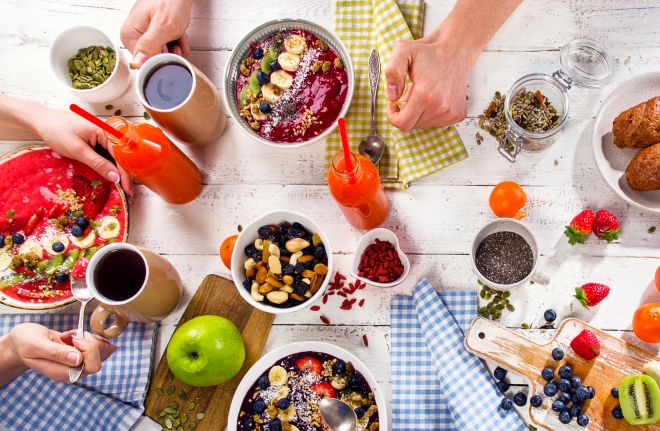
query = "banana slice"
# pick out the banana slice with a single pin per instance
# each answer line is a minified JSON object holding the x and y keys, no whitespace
{"x":271,"y":93}
{"x":5,"y":260}
{"x":85,"y":242}
{"x":288,"y":414}
{"x":295,"y":44}
{"x":282,"y":392}
{"x":256,"y":113}
{"x":31,"y":247}
{"x":363,"y":422}
{"x":288,"y":62}
{"x":281,"y":79}
{"x":48,"y":244}
{"x":110,"y":227}
{"x":277,"y":376}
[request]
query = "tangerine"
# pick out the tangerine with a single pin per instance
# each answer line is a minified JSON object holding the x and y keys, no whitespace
{"x":657,"y":279}
{"x":646,"y":323}
{"x":507,"y":199}
{"x":226,"y":250}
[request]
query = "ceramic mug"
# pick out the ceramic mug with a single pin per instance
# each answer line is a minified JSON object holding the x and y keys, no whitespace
{"x":158,"y":294}
{"x":199,"y":119}
{"x":515,"y":226}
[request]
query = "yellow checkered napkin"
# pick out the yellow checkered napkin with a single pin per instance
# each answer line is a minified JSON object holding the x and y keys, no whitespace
{"x":364,"y":25}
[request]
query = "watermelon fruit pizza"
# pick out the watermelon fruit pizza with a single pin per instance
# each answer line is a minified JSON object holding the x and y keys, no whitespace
{"x":54,"y":211}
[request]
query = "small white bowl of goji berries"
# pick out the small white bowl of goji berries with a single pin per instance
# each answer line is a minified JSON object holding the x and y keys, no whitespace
{"x":379,"y":260}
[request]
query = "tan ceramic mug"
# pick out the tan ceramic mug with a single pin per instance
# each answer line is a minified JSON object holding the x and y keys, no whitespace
{"x":199,"y":119}
{"x":135,"y":284}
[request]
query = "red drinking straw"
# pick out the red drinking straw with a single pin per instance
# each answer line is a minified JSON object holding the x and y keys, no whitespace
{"x":102,"y":124}
{"x":344,"y":143}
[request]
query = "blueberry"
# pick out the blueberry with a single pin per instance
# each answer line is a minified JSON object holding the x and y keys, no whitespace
{"x":275,"y":425}
{"x":294,"y":232}
{"x":258,"y":53}
{"x":18,"y":238}
{"x":265,"y":108}
{"x":249,"y":250}
{"x":319,"y":252}
{"x":308,"y":250}
{"x":298,"y":226}
{"x":58,"y":247}
{"x":581,"y":393}
{"x":520,"y":399}
{"x":617,"y":413}
{"x":536,"y":401}
{"x":274,"y":65}
{"x":275,"y":237}
{"x":264,"y":382}
{"x":339,"y":367}
{"x":558,"y":406}
{"x":557,"y":354}
{"x":506,"y":404}
{"x":550,"y":315}
{"x":264,"y":232}
{"x":301,"y":288}
{"x":564,"y":398}
{"x":550,"y":389}
{"x":359,"y":412}
{"x":565,"y":372}
{"x":2,"y":241}
{"x":575,"y":382}
{"x":247,"y":284}
{"x":257,"y":255}
{"x":77,"y":231}
{"x":263,"y":78}
{"x":583,"y":420}
{"x":288,"y":269}
{"x":499,"y":373}
{"x":615,"y":392}
{"x":284,"y":251}
{"x":503,"y":386}
{"x":575,"y":410}
{"x":354,"y":383}
{"x":548,"y":374}
{"x":82,"y":222}
{"x":249,"y":423}
{"x":574,"y":398}
{"x":259,"y":406}
{"x":564,"y":417}
{"x":299,"y":268}
{"x":283,"y":403}
{"x":62,"y":277}
{"x":564,"y":385}
{"x":592,"y":392}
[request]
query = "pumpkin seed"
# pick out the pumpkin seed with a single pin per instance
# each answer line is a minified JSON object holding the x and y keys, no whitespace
{"x":482,"y":294}
{"x":180,"y":428}
{"x":191,"y":406}
{"x":175,"y":422}
{"x":200,"y":416}
{"x":170,"y":390}
{"x":162,"y":413}
{"x":506,"y":294}
{"x":108,"y":107}
{"x":169,"y":410}
{"x":191,"y":425}
{"x":168,"y":424}
{"x":510,"y":307}
{"x":174,"y":405}
{"x":525,"y":326}
{"x":182,"y":395}
{"x":92,"y":64}
{"x":158,"y":413}
{"x":184,"y":418}
{"x":148,"y":117}
{"x":159,"y":391}
{"x":170,"y":376}
{"x":118,"y":112}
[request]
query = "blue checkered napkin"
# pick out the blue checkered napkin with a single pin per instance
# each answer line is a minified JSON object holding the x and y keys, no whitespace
{"x":112,"y":399}
{"x":436,"y":383}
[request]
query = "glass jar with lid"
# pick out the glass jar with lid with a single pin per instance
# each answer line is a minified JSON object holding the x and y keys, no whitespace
{"x":537,"y":105}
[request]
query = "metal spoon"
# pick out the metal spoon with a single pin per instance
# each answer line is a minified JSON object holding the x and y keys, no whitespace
{"x":338,"y":415}
{"x":82,"y":293}
{"x":372,"y":146}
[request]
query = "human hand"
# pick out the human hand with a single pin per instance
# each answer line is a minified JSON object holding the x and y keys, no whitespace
{"x":438,"y":71}
{"x":52,"y":353}
{"x":155,"y":26}
{"x":73,"y":137}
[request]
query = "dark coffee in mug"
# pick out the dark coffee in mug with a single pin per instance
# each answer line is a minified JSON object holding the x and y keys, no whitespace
{"x":168,"y":86}
{"x":120,"y":274}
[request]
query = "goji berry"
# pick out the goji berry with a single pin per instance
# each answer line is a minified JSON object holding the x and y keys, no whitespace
{"x":325,"y":320}
{"x":366,"y":340}
{"x":361,"y":303}
{"x":315,"y":308}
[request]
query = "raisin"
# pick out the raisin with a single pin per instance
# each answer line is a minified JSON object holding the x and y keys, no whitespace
{"x":284,"y":251}
{"x":319,"y":252}
{"x":302,"y":288}
{"x":247,"y":284}
{"x":298,"y":225}
{"x":288,"y":269}
{"x":309,"y":250}
{"x":264,"y":232}
{"x":282,"y":229}
{"x":299,"y":268}
{"x":294,"y":232}
{"x":257,"y":255}
{"x":273,"y":237}
{"x":250,"y":249}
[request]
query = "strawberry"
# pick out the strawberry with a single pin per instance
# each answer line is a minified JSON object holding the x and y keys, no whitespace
{"x":580,"y":227}
{"x":324,"y":389}
{"x":586,"y":345}
{"x":591,"y":294}
{"x":95,"y":194}
{"x":309,"y":364}
{"x":606,"y":226}
{"x":79,"y":270}
{"x":32,"y":222}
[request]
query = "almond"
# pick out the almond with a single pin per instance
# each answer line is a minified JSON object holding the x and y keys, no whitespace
{"x":306,"y":258}
{"x":249,"y":273}
{"x":266,"y":287}
{"x":285,"y":259}
{"x":275,"y":282}
{"x":297,"y":297}
{"x":319,"y":268}
{"x":277,"y":297}
{"x":262,"y":273}
{"x":317,"y":281}
{"x":308,"y":274}
{"x":296,"y":244}
{"x":287,"y":279}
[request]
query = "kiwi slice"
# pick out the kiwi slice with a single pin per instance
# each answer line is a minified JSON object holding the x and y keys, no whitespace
{"x":255,"y":86}
{"x":243,"y":97}
{"x":640,"y":400}
{"x":268,"y":58}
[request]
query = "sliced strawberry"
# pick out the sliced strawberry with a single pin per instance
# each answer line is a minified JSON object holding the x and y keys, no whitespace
{"x":32,"y":222}
{"x":309,"y":364}
{"x":606,"y":226}
{"x":323,"y":389}
{"x":93,"y":194}
{"x":79,"y":270}
{"x":580,"y":227}
{"x":54,"y":212}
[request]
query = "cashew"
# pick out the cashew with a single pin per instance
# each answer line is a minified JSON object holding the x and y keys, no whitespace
{"x":307,"y":280}
{"x":287,"y":288}
{"x":274,"y":250}
{"x":259,"y":244}
{"x":294,"y":257}
{"x":254,"y":292}
{"x":308,"y":294}
{"x":250,"y":263}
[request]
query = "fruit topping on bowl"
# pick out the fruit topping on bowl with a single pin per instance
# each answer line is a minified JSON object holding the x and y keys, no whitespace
{"x":291,"y":87}
{"x":640,"y":400}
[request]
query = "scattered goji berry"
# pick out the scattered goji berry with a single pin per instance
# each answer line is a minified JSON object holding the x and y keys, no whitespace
{"x":341,"y":294}
{"x":315,"y":308}
{"x":325,"y":320}
{"x":361,"y":302}
{"x":325,"y":298}
{"x":366,"y":340}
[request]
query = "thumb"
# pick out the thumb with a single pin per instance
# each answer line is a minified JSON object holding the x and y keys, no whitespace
{"x":150,"y":44}
{"x":56,"y":352}
{"x":104,"y":167}
{"x":397,"y":70}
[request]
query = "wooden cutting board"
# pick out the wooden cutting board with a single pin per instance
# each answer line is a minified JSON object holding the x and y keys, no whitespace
{"x":218,"y":296}
{"x":617,"y":359}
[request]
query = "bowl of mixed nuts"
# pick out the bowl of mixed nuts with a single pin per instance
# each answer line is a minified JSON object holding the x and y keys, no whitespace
{"x":89,"y":64}
{"x":281,"y":262}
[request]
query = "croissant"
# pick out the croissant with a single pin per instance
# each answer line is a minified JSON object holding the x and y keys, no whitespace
{"x":639,"y":126}
{"x":643,"y":172}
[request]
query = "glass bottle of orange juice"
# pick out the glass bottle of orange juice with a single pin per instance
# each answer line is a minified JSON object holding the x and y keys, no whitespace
{"x":151,"y":158}
{"x":359,"y":192}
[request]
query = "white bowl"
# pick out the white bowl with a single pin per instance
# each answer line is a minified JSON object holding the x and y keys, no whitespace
{"x":370,"y":238}
{"x":271,"y":358}
{"x":67,"y":44}
{"x":249,"y":234}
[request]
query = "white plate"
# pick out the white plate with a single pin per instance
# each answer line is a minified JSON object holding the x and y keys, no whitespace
{"x":263,"y":364}
{"x":613,"y":161}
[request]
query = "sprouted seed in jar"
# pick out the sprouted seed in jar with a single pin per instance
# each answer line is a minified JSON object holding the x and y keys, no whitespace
{"x":534,"y":112}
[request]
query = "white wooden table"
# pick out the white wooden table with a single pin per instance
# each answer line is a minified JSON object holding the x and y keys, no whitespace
{"x":436,"y":218}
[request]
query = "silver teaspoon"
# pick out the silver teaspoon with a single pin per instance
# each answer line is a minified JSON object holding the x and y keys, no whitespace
{"x":372,"y":146}
{"x":82,"y":293}
{"x":338,"y":415}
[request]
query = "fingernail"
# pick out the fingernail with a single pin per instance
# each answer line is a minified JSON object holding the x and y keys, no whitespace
{"x":73,"y":358}
{"x":114,"y":177}
{"x":139,"y":59}
{"x":392,"y":92}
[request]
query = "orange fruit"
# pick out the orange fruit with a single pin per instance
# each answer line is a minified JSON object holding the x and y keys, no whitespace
{"x":226,"y":249}
{"x":507,"y":199}
{"x":646,"y":323}
{"x":657,"y":279}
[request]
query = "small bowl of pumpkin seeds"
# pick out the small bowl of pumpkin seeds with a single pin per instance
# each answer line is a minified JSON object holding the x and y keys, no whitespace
{"x":88,"y":63}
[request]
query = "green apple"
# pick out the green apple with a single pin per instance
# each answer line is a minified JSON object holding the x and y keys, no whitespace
{"x":206,"y":351}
